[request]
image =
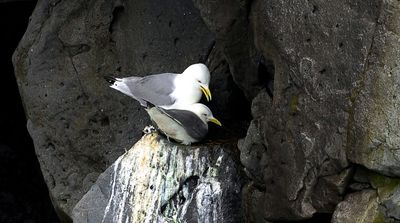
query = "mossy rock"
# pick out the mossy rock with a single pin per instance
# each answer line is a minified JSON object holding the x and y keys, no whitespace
{"x":385,"y":185}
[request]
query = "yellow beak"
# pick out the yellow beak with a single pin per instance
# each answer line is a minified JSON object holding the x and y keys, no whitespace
{"x":206,"y":91}
{"x":214,"y":120}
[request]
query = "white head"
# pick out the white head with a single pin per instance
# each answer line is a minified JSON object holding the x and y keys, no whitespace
{"x":200,"y":73}
{"x":204,"y":113}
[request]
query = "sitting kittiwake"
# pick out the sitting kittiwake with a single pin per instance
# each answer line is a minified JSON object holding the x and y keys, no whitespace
{"x":167,"y":90}
{"x":185,"y":126}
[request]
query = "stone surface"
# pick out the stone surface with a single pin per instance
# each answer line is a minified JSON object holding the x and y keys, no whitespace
{"x":361,"y":207}
{"x":299,"y":140}
{"x":380,"y":203}
{"x":78,"y":124}
{"x":323,"y":78}
{"x":159,"y":181}
{"x":374,"y":136}
{"x":388,"y":191}
{"x":228,"y":19}
{"x":329,"y":191}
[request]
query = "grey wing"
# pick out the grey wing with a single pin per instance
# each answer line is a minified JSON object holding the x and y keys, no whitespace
{"x":155,"y":89}
{"x":193,"y":125}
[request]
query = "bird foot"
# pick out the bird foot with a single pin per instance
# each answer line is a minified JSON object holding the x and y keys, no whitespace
{"x":149,"y":129}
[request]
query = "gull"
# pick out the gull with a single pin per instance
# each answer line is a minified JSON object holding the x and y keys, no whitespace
{"x":166,"y":90}
{"x":187,"y":125}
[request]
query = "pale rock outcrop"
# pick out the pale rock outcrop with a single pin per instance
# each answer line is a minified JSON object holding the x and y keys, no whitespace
{"x":160,"y":181}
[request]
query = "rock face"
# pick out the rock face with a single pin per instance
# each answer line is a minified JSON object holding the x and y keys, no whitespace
{"x":334,"y":62}
{"x":358,"y":207}
{"x":229,"y":21}
{"x":311,"y":99}
{"x":78,"y":124}
{"x":374,"y":136}
{"x":323,"y":78}
{"x":159,"y":181}
{"x":379,"y":203}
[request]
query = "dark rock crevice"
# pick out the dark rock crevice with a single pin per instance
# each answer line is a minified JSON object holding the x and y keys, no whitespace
{"x":266,"y":72}
{"x":116,"y":14}
{"x":229,"y":104}
{"x":24,"y":196}
{"x":231,"y":28}
{"x":177,"y":200}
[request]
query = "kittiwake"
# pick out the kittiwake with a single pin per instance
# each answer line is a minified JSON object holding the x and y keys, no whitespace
{"x":167,"y":90}
{"x":187,"y":125}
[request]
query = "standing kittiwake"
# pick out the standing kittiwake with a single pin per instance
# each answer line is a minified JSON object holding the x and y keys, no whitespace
{"x":185,"y":126}
{"x":167,"y":90}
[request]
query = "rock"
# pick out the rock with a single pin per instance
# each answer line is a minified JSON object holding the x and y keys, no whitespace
{"x":78,"y":124}
{"x":158,"y":181}
{"x":228,"y":19}
{"x":229,"y":103}
{"x":388,"y":191}
{"x":334,"y":94}
{"x":252,"y":148}
{"x":326,"y":57}
{"x":275,"y":173}
{"x":361,"y":207}
{"x":299,"y":141}
{"x":374,"y":136}
{"x":329,"y":191}
{"x":391,"y":207}
{"x":379,"y":204}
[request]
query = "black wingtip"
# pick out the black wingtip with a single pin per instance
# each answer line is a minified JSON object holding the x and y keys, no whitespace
{"x":110,"y":80}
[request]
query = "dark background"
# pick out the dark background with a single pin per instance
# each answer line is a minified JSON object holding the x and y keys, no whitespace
{"x":24,"y":197}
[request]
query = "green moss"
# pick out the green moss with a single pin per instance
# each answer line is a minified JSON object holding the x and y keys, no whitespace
{"x":294,"y":103}
{"x":384,"y":185}
{"x":379,"y":218}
